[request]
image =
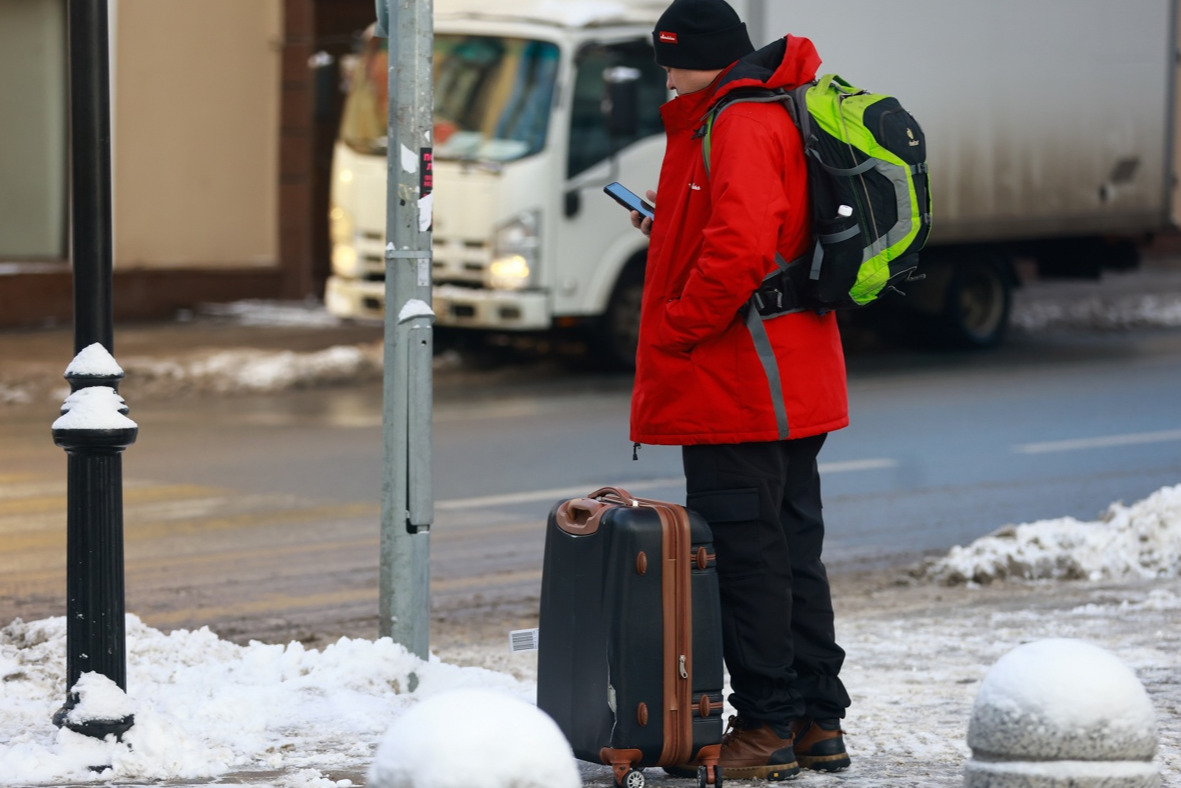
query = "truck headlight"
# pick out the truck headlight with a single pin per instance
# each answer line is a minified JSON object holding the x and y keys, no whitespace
{"x":344,"y":260}
{"x":514,"y":253}
{"x":344,"y":250}
{"x":340,"y":224}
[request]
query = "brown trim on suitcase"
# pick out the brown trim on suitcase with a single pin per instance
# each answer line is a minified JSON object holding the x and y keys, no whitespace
{"x":676,"y":596}
{"x":678,"y":651}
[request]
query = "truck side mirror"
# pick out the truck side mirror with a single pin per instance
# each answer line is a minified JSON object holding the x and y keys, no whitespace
{"x":324,"y":83}
{"x":621,"y":107}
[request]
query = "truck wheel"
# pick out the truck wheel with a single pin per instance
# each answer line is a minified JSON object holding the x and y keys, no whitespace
{"x":618,"y":331}
{"x":977,"y":300}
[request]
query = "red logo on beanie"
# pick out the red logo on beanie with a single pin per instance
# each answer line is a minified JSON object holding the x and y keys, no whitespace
{"x":668,"y":37}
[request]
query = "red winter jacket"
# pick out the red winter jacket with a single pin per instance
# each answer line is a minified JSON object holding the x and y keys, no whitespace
{"x":699,"y":378}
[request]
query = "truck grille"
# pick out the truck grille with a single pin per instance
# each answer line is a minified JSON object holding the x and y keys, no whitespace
{"x":459,"y":262}
{"x":454,"y":261}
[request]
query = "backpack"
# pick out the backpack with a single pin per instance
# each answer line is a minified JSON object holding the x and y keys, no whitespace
{"x":868,"y":184}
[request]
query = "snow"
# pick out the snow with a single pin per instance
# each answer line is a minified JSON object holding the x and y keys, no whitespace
{"x":254,"y":312}
{"x":251,"y":370}
{"x":421,"y":747}
{"x":1034,"y":719}
{"x":93,"y":408}
{"x":1030,"y":705}
{"x":415,"y":308}
{"x":203,"y":706}
{"x":1143,"y":540}
{"x":99,"y":700}
{"x":94,"y":360}
{"x":284,"y":715}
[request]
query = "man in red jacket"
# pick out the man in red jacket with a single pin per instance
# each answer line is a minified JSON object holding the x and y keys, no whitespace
{"x":750,"y":399}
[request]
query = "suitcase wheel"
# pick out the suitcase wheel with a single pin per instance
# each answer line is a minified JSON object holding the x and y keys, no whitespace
{"x":634,"y":778}
{"x":621,"y":761}
{"x":709,"y":775}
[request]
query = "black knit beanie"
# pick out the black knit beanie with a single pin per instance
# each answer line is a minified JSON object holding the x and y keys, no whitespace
{"x":701,"y":35}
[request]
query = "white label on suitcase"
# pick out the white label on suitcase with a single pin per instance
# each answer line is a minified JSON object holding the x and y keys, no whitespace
{"x":522,"y":640}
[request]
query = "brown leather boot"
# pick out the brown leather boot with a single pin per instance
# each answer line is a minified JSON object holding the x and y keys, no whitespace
{"x":753,"y":750}
{"x":820,"y":744}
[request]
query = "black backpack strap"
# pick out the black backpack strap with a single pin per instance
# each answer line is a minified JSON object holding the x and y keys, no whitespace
{"x":779,"y":293}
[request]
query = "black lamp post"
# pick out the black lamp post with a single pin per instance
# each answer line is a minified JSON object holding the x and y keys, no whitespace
{"x":93,"y":428}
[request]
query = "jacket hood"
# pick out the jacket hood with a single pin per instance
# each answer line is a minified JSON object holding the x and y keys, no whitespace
{"x":785,"y":63}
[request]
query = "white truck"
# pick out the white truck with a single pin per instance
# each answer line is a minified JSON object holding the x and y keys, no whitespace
{"x":1050,"y":131}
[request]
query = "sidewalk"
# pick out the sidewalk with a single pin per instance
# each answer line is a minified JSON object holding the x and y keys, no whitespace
{"x":917,"y":652}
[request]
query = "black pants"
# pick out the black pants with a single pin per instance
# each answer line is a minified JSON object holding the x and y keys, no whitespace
{"x":762,"y":501}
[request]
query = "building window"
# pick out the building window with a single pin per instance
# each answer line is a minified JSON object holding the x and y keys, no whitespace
{"x":33,"y":134}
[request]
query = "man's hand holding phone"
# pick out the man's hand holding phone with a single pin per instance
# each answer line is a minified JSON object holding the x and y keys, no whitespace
{"x":641,"y":212}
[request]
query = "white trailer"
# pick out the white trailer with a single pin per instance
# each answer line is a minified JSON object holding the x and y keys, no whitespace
{"x":1050,"y":130}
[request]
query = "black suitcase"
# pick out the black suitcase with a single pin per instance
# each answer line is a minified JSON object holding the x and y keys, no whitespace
{"x":630,"y":651}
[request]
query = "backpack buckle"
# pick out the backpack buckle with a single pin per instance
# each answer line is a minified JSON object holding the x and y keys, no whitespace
{"x":768,"y":300}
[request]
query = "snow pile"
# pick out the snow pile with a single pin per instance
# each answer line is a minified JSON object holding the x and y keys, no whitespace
{"x":255,"y":312}
{"x":1095,"y":312}
{"x":1138,"y":541}
{"x":15,"y":394}
{"x":204,"y":706}
{"x":259,"y":370}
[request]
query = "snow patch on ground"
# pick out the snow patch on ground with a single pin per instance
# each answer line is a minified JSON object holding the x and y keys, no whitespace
{"x":1101,"y":313}
{"x":254,"y":312}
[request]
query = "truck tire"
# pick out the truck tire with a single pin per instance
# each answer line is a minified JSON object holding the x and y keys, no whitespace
{"x":618,"y":331}
{"x":977,"y":300}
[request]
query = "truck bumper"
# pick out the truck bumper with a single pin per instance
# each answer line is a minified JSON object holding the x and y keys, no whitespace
{"x":460,"y":307}
{"x":354,"y":299}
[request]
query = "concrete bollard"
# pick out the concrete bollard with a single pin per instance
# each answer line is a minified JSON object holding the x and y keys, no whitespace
{"x":1061,"y":713}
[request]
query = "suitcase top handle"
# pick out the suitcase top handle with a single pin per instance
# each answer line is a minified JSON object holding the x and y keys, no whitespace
{"x":581,"y":516}
{"x":618,"y":494}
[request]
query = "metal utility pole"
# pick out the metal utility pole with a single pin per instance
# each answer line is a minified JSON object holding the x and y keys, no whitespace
{"x":93,"y":428}
{"x":407,"y":498}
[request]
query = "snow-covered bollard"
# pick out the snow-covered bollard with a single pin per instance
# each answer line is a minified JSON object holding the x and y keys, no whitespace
{"x":1061,"y":713}
{"x":474,"y":739}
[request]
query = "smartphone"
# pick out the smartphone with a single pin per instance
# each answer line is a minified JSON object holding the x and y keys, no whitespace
{"x":628,"y":199}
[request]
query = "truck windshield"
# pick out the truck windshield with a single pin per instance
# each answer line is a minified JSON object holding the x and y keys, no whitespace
{"x":492,"y":97}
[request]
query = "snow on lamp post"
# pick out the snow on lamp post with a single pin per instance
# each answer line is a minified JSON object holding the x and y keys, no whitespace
{"x":93,"y":427}
{"x":94,"y":430}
